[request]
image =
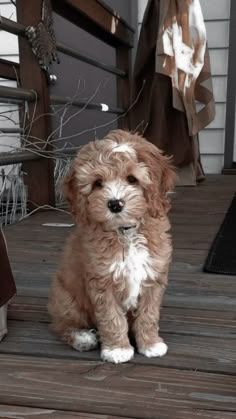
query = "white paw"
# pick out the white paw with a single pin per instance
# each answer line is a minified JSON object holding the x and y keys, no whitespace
{"x":84,"y":340}
{"x":117,"y":355}
{"x":158,"y":350}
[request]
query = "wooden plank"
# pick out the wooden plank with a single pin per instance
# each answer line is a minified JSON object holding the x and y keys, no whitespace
{"x":204,"y":211}
{"x":28,"y":308}
{"x":179,"y":276}
{"x":10,"y":412}
{"x":187,"y":300}
{"x":219,"y":180}
{"x":206,"y":224}
{"x":198,"y":281}
{"x":176,"y":298}
{"x":184,"y":321}
{"x":21,"y":412}
{"x":206,"y":195}
{"x":183,"y":256}
{"x":43,"y":217}
{"x":183,"y":290}
{"x":48,"y":242}
{"x":201,"y":227}
{"x":202,"y":283}
{"x":187,"y":230}
{"x":188,"y":351}
{"x":187,"y":266}
{"x":97,"y":19}
{"x":126,"y":390}
{"x":197,"y":243}
{"x":39,"y":174}
{"x":177,"y":320}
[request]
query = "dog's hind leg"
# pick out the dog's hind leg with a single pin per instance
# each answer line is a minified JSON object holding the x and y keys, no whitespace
{"x":84,"y":340}
{"x":71,"y":318}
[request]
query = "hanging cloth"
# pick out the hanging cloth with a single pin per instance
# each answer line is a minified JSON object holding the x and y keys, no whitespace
{"x":168,"y":86}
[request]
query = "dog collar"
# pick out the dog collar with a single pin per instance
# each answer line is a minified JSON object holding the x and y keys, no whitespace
{"x":126,"y":229}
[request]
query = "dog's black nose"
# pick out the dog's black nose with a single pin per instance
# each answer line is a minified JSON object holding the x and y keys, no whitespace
{"x":115,"y":205}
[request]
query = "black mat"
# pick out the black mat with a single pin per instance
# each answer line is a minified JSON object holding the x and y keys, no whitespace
{"x":222,"y":255}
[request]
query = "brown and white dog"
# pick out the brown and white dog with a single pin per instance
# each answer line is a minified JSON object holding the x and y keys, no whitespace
{"x":114,"y":270}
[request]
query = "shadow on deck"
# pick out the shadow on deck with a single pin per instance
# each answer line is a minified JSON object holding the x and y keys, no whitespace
{"x":41,"y":376}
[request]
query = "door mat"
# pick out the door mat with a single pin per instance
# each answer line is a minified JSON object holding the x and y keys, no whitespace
{"x":222,"y":255}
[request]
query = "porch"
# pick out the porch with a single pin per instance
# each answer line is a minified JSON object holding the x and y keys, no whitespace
{"x":40,"y":376}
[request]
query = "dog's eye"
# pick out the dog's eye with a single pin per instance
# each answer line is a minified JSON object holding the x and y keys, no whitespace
{"x":98,"y":183}
{"x":131,"y":179}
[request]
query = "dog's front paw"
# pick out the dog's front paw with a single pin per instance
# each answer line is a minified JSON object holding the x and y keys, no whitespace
{"x":157,"y":350}
{"x":117,"y":355}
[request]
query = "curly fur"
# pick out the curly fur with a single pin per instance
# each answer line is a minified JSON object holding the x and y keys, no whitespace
{"x":114,"y":269}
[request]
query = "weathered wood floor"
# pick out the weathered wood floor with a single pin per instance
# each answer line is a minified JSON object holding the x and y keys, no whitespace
{"x":40,"y":376}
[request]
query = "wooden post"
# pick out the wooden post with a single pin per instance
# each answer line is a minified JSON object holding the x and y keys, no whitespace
{"x":123,"y":62}
{"x":39,"y":174}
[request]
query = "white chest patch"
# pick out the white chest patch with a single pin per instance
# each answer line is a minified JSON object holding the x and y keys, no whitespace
{"x":134,"y":268}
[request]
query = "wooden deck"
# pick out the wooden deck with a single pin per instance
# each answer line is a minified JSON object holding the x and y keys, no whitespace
{"x":42,"y":377}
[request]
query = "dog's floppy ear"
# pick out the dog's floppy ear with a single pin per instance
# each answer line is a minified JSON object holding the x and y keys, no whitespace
{"x":69,"y":189}
{"x":72,"y":193}
{"x":162,"y":175}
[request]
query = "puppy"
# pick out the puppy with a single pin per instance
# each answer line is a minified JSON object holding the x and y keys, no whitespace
{"x":114,"y":270}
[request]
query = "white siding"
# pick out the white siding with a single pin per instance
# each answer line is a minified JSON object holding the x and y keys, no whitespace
{"x":212,"y":163}
{"x":212,"y":141}
{"x":215,"y":9}
{"x":219,"y":61}
{"x":216,"y":14}
{"x":220,"y":88}
{"x":217,"y":33}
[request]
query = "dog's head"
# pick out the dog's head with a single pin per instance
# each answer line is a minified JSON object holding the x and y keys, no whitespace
{"x":118,"y":181}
